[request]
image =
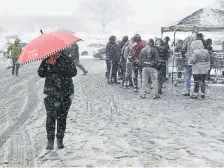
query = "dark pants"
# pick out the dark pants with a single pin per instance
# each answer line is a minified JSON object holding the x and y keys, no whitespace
{"x":108,"y":63}
{"x":209,"y":73}
{"x":179,"y":75}
{"x":112,"y":69}
{"x":15,"y":67}
{"x":161,"y":75}
{"x":163,"y":70}
{"x":56,"y":111}
{"x":199,"y":80}
{"x":120,"y":72}
{"x":123,"y":71}
{"x":160,"y":81}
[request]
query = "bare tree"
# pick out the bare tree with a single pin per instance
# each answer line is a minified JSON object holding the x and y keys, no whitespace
{"x":104,"y":11}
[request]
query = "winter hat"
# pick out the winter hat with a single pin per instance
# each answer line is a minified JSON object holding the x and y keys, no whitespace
{"x":197,"y":45}
{"x":151,"y":42}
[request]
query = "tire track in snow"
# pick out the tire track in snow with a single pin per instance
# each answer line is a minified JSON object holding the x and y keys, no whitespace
{"x":23,"y":154}
{"x":21,"y":150}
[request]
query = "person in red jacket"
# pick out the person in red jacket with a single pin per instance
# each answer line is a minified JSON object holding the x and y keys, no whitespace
{"x":134,"y":56}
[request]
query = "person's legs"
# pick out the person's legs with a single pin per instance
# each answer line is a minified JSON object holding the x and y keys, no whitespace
{"x":196,"y":83}
{"x":203,"y":77}
{"x":62,"y":113}
{"x":128,"y":74}
{"x":135,"y":78}
{"x":160,"y":82}
{"x":50,"y":121}
{"x":163,"y":71}
{"x":17,"y":66}
{"x":145,"y":78}
{"x":179,"y":75}
{"x":209,"y":73}
{"x":140,"y":74}
{"x":123,"y":74}
{"x":154,"y":78}
{"x":79,"y":65}
{"x":119,"y":71}
{"x":108,"y":62}
{"x":188,"y":80}
{"x":13,"y":66}
{"x":115,"y":71}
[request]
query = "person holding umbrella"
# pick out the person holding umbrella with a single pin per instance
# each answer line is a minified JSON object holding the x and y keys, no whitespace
{"x":58,"y":71}
{"x":15,"y":50}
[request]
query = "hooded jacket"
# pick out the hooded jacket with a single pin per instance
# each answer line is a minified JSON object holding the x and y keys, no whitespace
{"x":15,"y":49}
{"x":200,"y":58}
{"x":112,"y":52}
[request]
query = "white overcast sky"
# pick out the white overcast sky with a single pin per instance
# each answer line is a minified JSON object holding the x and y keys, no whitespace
{"x":148,"y":11}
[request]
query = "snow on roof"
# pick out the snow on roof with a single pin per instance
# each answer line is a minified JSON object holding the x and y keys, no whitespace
{"x":205,"y":18}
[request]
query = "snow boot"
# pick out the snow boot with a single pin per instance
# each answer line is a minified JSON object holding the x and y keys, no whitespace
{"x":160,"y":92}
{"x":156,"y":97}
{"x":50,"y":143}
{"x":186,"y":94}
{"x":135,"y":89}
{"x":85,"y":73}
{"x":125,"y":85}
{"x":143,"y":96}
{"x":194,"y":96}
{"x":60,"y":141}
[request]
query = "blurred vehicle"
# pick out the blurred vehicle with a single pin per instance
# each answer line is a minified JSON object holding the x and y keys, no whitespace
{"x":100,"y":53}
{"x":88,"y":48}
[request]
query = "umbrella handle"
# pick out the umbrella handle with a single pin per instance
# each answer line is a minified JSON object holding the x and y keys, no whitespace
{"x":41,"y":31}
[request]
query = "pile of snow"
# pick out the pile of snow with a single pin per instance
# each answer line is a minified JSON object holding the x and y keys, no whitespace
{"x":212,"y":17}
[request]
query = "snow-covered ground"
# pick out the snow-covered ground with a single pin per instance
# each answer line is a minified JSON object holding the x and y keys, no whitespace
{"x":110,"y":126}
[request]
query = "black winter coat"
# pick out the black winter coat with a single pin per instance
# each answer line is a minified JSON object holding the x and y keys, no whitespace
{"x":112,"y":52}
{"x":163,"y":53}
{"x":58,"y":77}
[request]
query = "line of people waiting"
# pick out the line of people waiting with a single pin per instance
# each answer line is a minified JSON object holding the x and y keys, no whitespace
{"x":130,"y":58}
{"x":137,"y":57}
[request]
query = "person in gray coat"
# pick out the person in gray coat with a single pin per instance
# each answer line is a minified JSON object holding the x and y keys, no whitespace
{"x":73,"y":51}
{"x":149,"y":58}
{"x":200,"y":61}
{"x":128,"y":73}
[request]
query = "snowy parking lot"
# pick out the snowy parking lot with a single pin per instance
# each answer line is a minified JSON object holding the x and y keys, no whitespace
{"x":109,"y":126}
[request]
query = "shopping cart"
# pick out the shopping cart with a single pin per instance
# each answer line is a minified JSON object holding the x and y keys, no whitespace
{"x":178,"y":69}
{"x":217,"y":62}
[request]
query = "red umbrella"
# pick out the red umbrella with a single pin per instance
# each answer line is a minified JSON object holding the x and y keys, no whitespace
{"x":46,"y":45}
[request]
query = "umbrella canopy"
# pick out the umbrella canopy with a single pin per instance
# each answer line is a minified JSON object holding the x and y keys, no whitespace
{"x":46,"y":45}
